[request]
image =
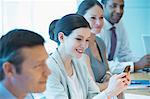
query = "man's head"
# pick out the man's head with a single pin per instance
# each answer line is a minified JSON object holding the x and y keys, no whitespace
{"x":22,"y":61}
{"x":113,"y":10}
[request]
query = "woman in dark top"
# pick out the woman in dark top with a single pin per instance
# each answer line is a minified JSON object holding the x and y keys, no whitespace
{"x":92,"y":11}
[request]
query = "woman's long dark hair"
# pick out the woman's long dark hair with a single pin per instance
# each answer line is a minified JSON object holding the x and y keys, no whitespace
{"x":68,"y":23}
{"x":86,"y":5}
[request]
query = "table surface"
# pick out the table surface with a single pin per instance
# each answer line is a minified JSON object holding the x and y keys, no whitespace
{"x":141,"y":76}
{"x":140,"y":91}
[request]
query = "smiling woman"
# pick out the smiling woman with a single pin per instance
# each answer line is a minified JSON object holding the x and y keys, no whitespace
{"x":70,"y":77}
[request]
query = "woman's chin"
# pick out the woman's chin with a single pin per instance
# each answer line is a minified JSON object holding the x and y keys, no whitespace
{"x":79,"y":55}
{"x":96,"y":31}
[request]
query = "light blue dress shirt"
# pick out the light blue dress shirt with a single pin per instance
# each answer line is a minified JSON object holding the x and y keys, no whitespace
{"x":5,"y":94}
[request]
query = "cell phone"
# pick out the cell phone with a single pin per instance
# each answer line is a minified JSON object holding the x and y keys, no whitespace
{"x":127,"y":69}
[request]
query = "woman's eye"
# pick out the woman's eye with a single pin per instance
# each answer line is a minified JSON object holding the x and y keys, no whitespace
{"x":101,"y":17}
{"x":93,"y":18}
{"x":78,"y":39}
{"x":87,"y":40}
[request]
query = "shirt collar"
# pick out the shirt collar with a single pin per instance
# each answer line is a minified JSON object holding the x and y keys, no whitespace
{"x":5,"y":91}
{"x":107,"y":24}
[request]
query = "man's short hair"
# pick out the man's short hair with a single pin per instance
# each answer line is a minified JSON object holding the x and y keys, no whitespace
{"x":11,"y":45}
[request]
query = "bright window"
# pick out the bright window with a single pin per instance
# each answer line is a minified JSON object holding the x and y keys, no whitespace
{"x":34,"y":15}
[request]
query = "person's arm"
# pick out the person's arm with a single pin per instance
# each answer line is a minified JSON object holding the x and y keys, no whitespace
{"x":102,"y":86}
{"x":125,"y":54}
{"x":118,"y":67}
{"x":142,"y":63}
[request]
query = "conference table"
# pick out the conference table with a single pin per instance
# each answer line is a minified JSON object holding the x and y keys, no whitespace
{"x":140,"y":76}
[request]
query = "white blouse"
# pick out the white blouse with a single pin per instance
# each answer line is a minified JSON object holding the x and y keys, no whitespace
{"x":76,"y":90}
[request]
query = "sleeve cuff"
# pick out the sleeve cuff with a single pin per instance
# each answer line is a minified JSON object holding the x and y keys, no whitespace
{"x":101,"y":95}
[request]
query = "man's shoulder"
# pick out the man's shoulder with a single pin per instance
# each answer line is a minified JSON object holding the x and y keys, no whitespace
{"x":2,"y":90}
{"x":4,"y":93}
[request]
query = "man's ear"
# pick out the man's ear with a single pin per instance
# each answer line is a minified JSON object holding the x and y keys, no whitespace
{"x":8,"y":69}
{"x":61,"y":37}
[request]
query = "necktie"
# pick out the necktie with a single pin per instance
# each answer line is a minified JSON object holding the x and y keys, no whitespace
{"x":113,"y":43}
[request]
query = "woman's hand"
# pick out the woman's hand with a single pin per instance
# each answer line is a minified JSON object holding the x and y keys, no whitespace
{"x":117,"y":84}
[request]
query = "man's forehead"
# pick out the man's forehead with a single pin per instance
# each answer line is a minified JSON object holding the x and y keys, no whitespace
{"x":36,"y":51}
{"x":34,"y":55}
